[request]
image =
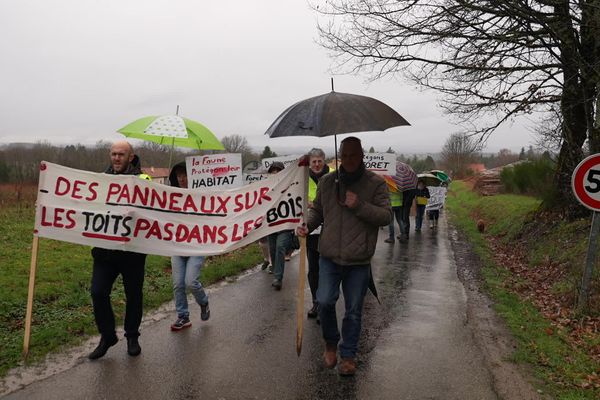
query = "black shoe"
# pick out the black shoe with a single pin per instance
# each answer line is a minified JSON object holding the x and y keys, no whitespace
{"x":204,"y":312}
{"x":103,"y":347}
{"x":276,"y":284}
{"x":314,"y":311}
{"x":264,"y":265}
{"x":389,"y":240}
{"x":133,"y":346}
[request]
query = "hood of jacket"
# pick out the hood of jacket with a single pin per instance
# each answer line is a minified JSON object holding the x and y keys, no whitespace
{"x":173,"y":174}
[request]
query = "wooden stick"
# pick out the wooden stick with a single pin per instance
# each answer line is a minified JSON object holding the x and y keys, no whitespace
{"x":34,"y":253}
{"x":300,"y":304}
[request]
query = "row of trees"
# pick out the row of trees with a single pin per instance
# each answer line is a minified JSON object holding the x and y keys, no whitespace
{"x":20,"y":162}
{"x":461,"y":150}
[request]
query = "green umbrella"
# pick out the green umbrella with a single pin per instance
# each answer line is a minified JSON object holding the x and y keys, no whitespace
{"x":174,"y":131}
{"x":441,"y":174}
{"x":429,"y":179}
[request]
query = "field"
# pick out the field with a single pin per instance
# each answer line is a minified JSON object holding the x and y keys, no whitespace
{"x":62,"y":312}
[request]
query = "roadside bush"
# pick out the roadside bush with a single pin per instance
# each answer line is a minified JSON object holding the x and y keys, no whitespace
{"x":532,"y":178}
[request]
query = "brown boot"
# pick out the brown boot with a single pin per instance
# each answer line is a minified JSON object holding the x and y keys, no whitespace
{"x":330,"y":355}
{"x":347,"y":367}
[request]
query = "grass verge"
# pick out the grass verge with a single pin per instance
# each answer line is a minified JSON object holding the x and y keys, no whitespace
{"x":62,"y":312}
{"x":548,"y":339}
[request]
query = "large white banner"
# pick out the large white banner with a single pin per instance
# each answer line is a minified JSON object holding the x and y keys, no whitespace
{"x":125,"y":212}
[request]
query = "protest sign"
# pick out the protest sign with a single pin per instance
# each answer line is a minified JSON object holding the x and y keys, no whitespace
{"x":381,"y":163}
{"x":437,"y":197}
{"x":124,"y":212}
{"x":286,"y":160}
{"x":214,"y":171}
{"x":250,"y":178}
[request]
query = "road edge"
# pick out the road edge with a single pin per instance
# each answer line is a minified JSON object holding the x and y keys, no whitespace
{"x":490,"y":333}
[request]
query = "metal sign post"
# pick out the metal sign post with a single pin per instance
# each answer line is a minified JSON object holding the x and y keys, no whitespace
{"x":585,"y":183}
{"x":590,"y":260}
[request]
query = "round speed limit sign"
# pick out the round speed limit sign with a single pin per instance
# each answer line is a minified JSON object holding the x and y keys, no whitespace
{"x":586,"y":182}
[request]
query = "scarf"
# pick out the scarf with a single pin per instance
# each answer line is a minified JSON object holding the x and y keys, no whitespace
{"x":349,"y":178}
{"x":315,"y":177}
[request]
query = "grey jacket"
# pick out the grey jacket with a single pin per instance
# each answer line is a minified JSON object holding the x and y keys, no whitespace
{"x":349,"y":236}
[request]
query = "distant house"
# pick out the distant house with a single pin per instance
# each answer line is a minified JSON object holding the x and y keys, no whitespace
{"x":159,"y":175}
{"x":476,"y":167}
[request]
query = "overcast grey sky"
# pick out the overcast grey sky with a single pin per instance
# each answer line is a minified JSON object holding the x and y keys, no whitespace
{"x":75,"y":71}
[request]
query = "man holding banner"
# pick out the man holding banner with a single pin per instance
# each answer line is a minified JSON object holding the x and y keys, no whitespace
{"x":351,"y":211}
{"x":108,"y":264}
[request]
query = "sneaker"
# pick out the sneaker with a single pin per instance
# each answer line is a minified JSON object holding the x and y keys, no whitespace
{"x":389,"y":240}
{"x":314,"y":311}
{"x":204,"y":312}
{"x":181,"y":323}
{"x":270,"y":269}
{"x":276,"y":284}
{"x":133,"y":346}
{"x":103,"y":346}
{"x":264,"y":265}
{"x":431,"y":225}
{"x":288,"y":258}
{"x":417,"y":229}
{"x":347,"y":367}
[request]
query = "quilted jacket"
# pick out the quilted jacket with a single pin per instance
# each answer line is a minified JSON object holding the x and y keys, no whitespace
{"x":349,"y":236}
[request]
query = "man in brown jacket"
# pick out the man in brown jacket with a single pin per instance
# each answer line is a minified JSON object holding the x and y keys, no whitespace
{"x":351,"y":212}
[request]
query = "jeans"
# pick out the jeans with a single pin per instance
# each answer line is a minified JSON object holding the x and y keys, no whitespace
{"x":312,"y":254}
{"x":397,"y":211}
{"x":355,"y":281}
{"x":108,"y":264}
{"x":419,"y":216}
{"x":279,"y":244}
{"x":185,"y":272}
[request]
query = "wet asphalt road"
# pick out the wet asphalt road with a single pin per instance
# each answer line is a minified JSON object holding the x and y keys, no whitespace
{"x":416,"y":345}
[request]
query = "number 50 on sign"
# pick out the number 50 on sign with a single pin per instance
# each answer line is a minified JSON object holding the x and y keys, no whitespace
{"x":586,"y":182}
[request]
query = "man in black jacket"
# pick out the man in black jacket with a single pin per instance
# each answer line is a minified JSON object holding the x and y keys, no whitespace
{"x":108,"y":264}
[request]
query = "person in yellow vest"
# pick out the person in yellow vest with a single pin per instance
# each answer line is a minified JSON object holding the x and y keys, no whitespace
{"x":422,"y":195}
{"x":396,"y":202}
{"x":317,"y":169}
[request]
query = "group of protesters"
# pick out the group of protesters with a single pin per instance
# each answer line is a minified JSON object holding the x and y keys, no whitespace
{"x":402,"y":202}
{"x":345,"y":211}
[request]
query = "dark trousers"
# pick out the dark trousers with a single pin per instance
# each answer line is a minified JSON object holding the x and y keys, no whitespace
{"x":407,"y":200}
{"x":108,"y":264}
{"x":312,"y":253}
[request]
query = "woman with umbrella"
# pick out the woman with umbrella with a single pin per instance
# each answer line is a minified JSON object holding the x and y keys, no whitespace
{"x":185,"y":270}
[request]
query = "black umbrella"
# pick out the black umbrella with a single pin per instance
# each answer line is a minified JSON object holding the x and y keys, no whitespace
{"x":335,"y":113}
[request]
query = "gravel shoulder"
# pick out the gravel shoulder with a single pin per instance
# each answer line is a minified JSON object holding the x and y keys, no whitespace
{"x":511,"y":381}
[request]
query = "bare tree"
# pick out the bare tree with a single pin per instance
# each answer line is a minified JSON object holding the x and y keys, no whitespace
{"x":235,"y":144}
{"x":458,"y":152}
{"x":492,"y":59}
{"x":239,"y":144}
